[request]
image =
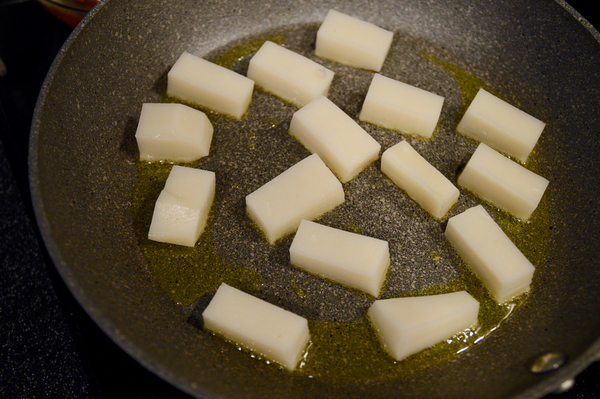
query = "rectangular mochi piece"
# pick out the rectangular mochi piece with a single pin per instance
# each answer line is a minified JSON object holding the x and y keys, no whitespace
{"x":351,"y":41}
{"x":344,"y":146}
{"x":289,"y":75}
{"x":503,"y":182}
{"x":426,"y":185}
{"x":347,"y":258}
{"x":173,"y":132}
{"x":182,"y":208}
{"x":409,"y":325}
{"x":269,"y":330}
{"x":500,"y":125}
{"x":306,"y":190}
{"x":395,"y":105}
{"x":489,"y":252}
{"x":204,"y":83}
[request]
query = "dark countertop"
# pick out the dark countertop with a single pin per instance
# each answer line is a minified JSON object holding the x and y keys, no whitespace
{"x":49,"y":347}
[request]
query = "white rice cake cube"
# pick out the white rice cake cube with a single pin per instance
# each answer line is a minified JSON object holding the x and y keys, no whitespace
{"x":289,"y":75}
{"x":350,"y":259}
{"x":409,"y":325}
{"x":395,"y":105}
{"x":173,"y":132}
{"x":351,"y":41}
{"x":344,"y":146}
{"x":500,"y":125}
{"x":503,"y":182}
{"x":275,"y":333}
{"x":426,"y":185}
{"x":307,"y":190}
{"x":182,"y":208}
{"x":489,"y":252}
{"x":207,"y":84}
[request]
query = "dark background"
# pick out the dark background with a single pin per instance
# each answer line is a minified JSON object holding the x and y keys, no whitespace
{"x":49,"y":347}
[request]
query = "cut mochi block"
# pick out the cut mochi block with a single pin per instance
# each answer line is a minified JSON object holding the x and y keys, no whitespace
{"x":344,"y":146}
{"x":306,"y":190}
{"x":426,"y":185}
{"x":207,"y":84}
{"x":288,"y":75}
{"x":500,"y":125}
{"x":409,"y":325}
{"x":182,"y":208}
{"x":503,"y":182}
{"x":173,"y":132}
{"x":350,"y":259}
{"x":395,"y":105}
{"x":275,"y":333}
{"x":489,"y":252}
{"x":351,"y":41}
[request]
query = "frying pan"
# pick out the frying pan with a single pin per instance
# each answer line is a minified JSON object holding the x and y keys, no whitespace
{"x":85,"y":181}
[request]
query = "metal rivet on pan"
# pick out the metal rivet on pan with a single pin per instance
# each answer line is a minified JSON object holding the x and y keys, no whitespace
{"x":565,"y":386}
{"x":548,"y":362}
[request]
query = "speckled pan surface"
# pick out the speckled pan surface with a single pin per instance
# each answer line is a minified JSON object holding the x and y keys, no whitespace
{"x":84,"y":172}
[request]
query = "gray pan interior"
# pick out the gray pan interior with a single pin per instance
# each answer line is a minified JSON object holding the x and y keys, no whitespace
{"x":536,"y":54}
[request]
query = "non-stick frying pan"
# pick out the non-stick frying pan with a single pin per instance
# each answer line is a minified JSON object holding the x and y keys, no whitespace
{"x":91,"y":193}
